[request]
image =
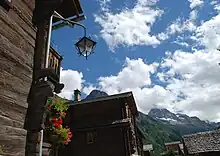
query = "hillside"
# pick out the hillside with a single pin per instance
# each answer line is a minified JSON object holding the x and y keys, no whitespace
{"x":161,"y":126}
{"x":157,"y":132}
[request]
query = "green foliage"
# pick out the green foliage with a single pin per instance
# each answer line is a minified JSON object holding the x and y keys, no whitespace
{"x":59,"y":104}
{"x":56,"y":112}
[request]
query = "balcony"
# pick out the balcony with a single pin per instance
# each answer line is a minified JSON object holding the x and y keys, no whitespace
{"x":54,"y":62}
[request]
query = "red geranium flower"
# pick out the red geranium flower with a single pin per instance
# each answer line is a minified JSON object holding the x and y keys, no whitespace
{"x":54,"y":120}
{"x":49,"y":107}
{"x":60,"y":121}
{"x":56,"y":125}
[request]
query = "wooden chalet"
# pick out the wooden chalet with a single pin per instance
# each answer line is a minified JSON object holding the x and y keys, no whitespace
{"x":104,"y":126}
{"x":202,"y":144}
{"x":17,"y":43}
{"x":173,"y":146}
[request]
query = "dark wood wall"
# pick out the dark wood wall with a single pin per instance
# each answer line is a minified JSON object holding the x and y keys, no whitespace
{"x":17,"y":38}
{"x":139,"y":144}
{"x":94,"y":114}
{"x":147,"y":153}
{"x":109,"y":142}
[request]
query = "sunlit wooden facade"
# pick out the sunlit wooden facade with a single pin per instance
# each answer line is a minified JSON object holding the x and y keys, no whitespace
{"x":17,"y":43}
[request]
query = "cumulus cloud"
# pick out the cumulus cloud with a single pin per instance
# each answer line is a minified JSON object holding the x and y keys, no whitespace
{"x":72,"y":80}
{"x":129,"y":26}
{"x":191,"y":79}
{"x":179,"y":26}
{"x":134,"y":74}
{"x":209,"y":33}
{"x":195,"y":3}
{"x":186,"y":80}
{"x":104,"y":4}
{"x":195,"y":75}
{"x":198,"y":82}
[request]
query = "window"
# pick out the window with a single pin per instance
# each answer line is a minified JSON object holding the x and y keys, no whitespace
{"x":91,"y":137}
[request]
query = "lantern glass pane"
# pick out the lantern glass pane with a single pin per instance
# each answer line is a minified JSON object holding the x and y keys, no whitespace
{"x":85,"y":46}
{"x":81,"y":46}
{"x":89,"y":46}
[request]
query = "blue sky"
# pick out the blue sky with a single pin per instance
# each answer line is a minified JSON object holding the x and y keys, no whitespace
{"x":163,"y":51}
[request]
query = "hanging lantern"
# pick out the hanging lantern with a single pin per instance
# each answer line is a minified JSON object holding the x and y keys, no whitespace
{"x":85,"y":46}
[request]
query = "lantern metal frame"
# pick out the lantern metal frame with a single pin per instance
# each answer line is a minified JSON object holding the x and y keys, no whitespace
{"x":84,"y":38}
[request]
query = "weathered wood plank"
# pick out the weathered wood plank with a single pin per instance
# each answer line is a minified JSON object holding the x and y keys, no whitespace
{"x":6,"y":87}
{"x":16,"y":75}
{"x":13,"y":77}
{"x":14,"y":54}
{"x":13,"y":144}
{"x":22,"y":21}
{"x":6,"y":154}
{"x":18,"y":40}
{"x":14,"y":26}
{"x":14,"y":98}
{"x":12,"y":131}
{"x":23,"y":9}
{"x":13,"y":107}
{"x":10,"y":122}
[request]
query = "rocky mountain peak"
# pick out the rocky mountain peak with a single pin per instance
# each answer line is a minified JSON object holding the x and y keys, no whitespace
{"x":162,"y":114}
{"x":95,"y":94}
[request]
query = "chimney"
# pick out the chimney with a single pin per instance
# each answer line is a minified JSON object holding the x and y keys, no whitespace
{"x":77,"y":94}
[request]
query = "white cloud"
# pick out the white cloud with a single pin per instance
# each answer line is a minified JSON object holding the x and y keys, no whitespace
{"x":181,"y":43}
{"x":134,"y":74}
{"x":213,"y":2}
{"x":195,"y":3}
{"x":197,"y":92}
{"x":180,"y":25}
{"x":192,"y":77}
{"x":199,"y":79}
{"x":88,"y":88}
{"x":209,"y":33}
{"x":104,"y":4}
{"x":72,"y":80}
{"x":199,"y":82}
{"x":217,"y":7}
{"x":130,"y":26}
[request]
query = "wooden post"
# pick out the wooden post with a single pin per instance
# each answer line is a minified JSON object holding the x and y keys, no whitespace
{"x":40,"y":90}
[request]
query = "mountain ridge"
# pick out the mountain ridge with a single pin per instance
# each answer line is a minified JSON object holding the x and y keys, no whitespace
{"x":160,"y":113}
{"x":160,"y":125}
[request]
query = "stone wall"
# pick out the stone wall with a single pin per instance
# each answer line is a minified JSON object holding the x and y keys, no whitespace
{"x":17,"y":39}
